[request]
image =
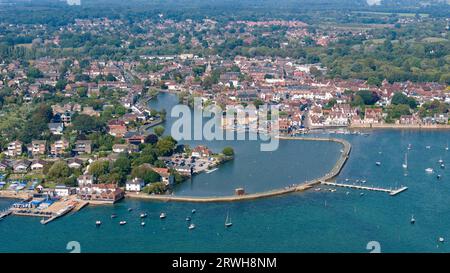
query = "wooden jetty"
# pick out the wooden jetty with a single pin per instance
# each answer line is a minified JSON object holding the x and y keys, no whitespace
{"x":391,"y":192}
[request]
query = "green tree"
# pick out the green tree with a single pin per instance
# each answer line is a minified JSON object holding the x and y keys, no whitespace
{"x":159,"y":130}
{"x":228,"y":151}
{"x":58,"y":170}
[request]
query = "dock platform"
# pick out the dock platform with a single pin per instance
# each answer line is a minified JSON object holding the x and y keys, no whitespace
{"x":391,"y":192}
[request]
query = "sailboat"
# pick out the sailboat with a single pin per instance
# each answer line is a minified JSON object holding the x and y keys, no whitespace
{"x":228,"y":221}
{"x":405,"y":163}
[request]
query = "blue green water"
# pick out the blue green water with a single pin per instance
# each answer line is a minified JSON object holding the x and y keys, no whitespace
{"x":309,"y":221}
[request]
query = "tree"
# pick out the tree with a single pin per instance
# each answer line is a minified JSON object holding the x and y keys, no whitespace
{"x":86,"y":124}
{"x":165,"y":146}
{"x":34,"y":73}
{"x":159,"y":130}
{"x":58,"y":170}
{"x":369,"y":97}
{"x":145,"y":173}
{"x":228,"y":151}
{"x":151,"y":139}
{"x":99,"y":168}
{"x":400,"y":98}
{"x":122,"y":165}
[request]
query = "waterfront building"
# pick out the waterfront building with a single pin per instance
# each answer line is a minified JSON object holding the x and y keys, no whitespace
{"x":136,"y":184}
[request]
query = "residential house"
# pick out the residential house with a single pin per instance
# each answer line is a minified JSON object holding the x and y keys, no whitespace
{"x":87,"y":190}
{"x":83,"y":147}
{"x":38,"y":164}
{"x":201,"y":152}
{"x":14,"y":148}
{"x":21,"y":166}
{"x":4,"y":165}
{"x":56,"y":128}
{"x":373,"y":115}
{"x":135,"y":184}
{"x":166,"y":177}
{"x":63,"y":191}
{"x":59,"y":147}
{"x":75,"y":163}
{"x":117,"y":128}
{"x":37,"y":147}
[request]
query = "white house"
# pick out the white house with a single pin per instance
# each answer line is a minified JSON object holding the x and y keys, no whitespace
{"x":62,"y":191}
{"x":136,"y":184}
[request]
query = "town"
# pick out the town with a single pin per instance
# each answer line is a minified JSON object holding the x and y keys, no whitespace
{"x":76,"y":126}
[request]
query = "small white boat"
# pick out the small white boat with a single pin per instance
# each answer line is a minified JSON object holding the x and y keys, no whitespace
{"x":441,"y":239}
{"x":162,"y":215}
{"x":361,"y":194}
{"x":378,"y":163}
{"x":228,"y":222}
{"x":143,"y":215}
{"x":442,"y":166}
{"x":409,"y":146}
{"x":113,"y":216}
{"x":191,"y":226}
{"x":405,"y":163}
{"x":142,"y":223}
{"x":428,"y":147}
{"x":188,"y":218}
{"x":130,"y":209}
{"x":440,"y":161}
{"x":98,"y":223}
{"x":193,"y":211}
{"x":332,"y":190}
{"x":122,"y":223}
{"x":317,"y":189}
{"x":413,"y":220}
{"x":429,"y":170}
{"x":438,"y":176}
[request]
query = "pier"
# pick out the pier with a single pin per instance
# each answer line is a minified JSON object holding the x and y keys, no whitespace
{"x":391,"y":192}
{"x":4,"y":214}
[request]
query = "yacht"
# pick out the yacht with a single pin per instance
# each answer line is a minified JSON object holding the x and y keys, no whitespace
{"x":405,"y":163}
{"x":191,"y":226}
{"x":98,"y":223}
{"x":123,"y":223}
{"x":228,"y":222}
{"x":378,"y":163}
{"x":142,"y":223}
{"x":143,"y":215}
{"x":429,"y":170}
{"x":162,"y":215}
{"x":441,"y":239}
{"x":440,"y":161}
{"x":428,"y":147}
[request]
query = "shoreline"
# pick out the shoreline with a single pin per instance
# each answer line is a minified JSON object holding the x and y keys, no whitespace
{"x":232,"y":198}
{"x":400,"y":126}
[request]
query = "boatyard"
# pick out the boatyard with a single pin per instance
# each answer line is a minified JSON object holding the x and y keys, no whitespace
{"x":42,"y":206}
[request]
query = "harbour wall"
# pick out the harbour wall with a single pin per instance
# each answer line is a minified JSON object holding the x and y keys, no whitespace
{"x":296,"y":188}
